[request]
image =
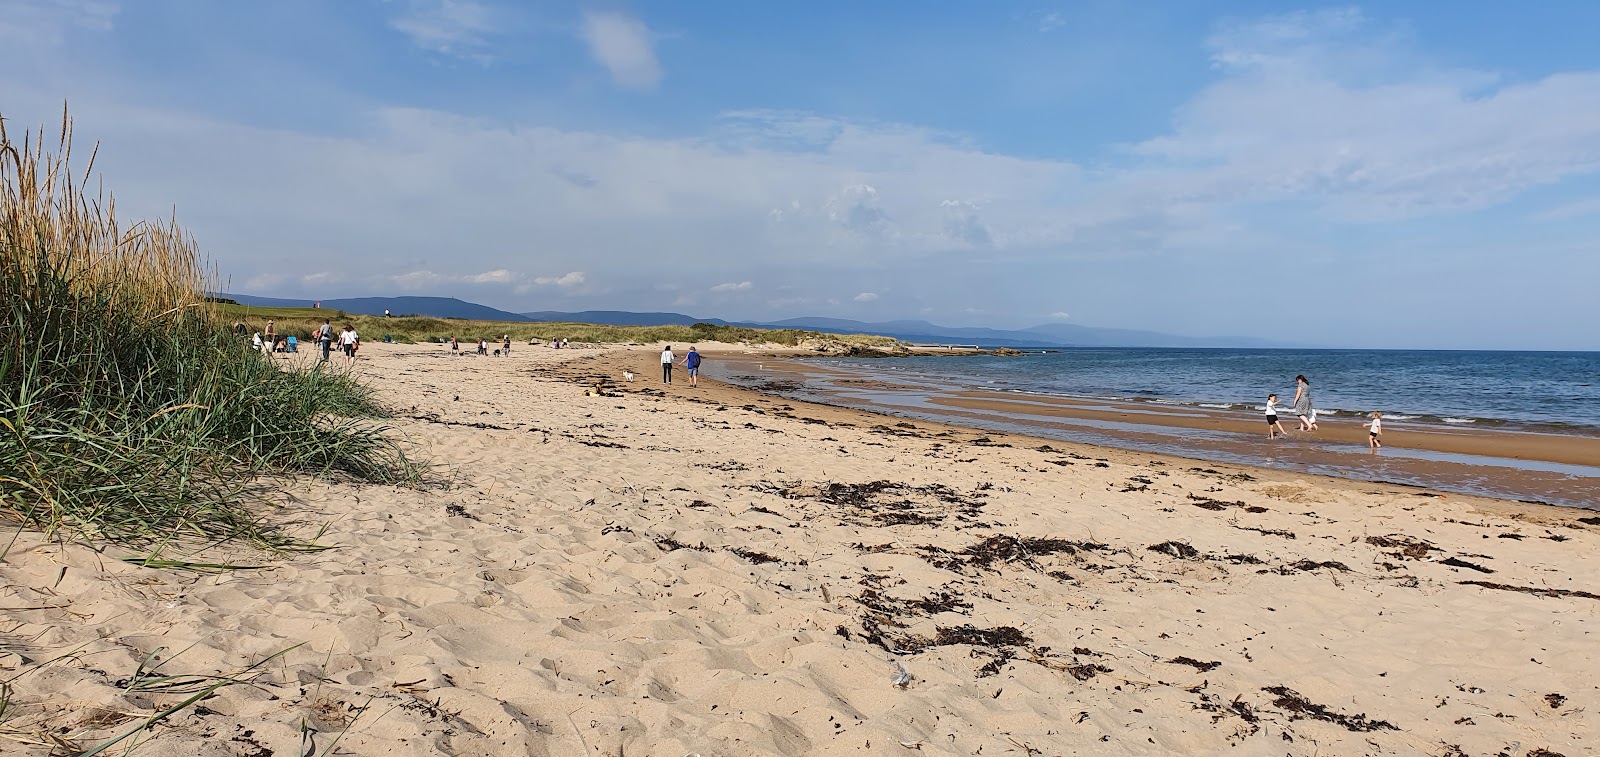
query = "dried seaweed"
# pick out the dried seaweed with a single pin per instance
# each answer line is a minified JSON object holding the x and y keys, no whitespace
{"x":1269,"y":532}
{"x":1533,"y":590}
{"x":1204,"y":667}
{"x":1459,"y":563}
{"x":1410,"y":547}
{"x":669,"y":544}
{"x":1177,"y":549}
{"x":1217,"y":505}
{"x":1299,"y":707}
{"x":1002,"y":549}
{"x":759,"y":558}
{"x":1310,"y":565}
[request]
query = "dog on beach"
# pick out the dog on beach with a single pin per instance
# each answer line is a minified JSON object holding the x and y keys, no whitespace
{"x":627,"y":375}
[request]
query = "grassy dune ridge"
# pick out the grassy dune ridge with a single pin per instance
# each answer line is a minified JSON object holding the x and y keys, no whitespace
{"x":300,"y":322}
{"x":128,"y":413}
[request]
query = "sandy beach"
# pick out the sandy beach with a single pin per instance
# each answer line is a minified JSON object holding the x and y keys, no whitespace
{"x":677,"y":571}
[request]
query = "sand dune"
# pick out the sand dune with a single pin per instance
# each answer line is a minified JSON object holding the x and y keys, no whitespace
{"x":707,"y":571}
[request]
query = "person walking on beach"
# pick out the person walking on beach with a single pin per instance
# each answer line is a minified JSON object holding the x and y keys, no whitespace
{"x":1302,"y":404}
{"x":455,"y":347}
{"x":505,"y":346}
{"x":349,"y":341}
{"x":1374,"y":430}
{"x":325,"y":339}
{"x":667,"y":359}
{"x":691,"y":361}
{"x":270,"y":337}
{"x":1274,"y":428}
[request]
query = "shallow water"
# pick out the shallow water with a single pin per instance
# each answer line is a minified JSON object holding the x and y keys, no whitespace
{"x":1538,"y":390}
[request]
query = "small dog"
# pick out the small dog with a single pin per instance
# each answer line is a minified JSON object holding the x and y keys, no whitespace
{"x":497,"y":353}
{"x":627,"y":375}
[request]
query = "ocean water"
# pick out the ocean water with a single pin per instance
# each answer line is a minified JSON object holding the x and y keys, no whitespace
{"x":1552,"y":391}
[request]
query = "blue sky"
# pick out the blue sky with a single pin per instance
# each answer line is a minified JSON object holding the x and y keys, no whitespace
{"x":1405,"y":174}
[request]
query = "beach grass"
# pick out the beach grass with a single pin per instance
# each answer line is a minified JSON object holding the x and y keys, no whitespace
{"x":128,"y":412}
{"x":411,"y":329}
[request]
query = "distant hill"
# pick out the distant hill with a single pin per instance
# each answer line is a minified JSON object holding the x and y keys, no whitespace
{"x":620,"y":318}
{"x":923,"y":332}
{"x":438,"y":307}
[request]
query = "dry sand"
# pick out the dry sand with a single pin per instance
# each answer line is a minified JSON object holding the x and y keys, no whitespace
{"x":644,"y":575}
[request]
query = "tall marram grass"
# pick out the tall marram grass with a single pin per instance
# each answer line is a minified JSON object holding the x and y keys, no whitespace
{"x":128,"y":413}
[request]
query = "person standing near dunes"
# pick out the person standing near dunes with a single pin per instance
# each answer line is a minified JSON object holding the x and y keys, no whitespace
{"x":270,"y":337}
{"x":667,"y":359}
{"x":325,"y":338}
{"x":1302,"y":404}
{"x":349,"y":342}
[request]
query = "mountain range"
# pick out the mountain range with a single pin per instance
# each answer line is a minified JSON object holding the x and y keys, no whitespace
{"x":921,"y":332}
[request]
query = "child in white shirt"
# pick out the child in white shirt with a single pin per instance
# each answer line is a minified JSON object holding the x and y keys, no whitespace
{"x":1274,"y":428}
{"x":1374,"y":430}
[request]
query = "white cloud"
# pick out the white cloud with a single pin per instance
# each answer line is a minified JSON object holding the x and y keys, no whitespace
{"x":1060,"y":315}
{"x":732,"y":286}
{"x":857,"y":208}
{"x":565,"y":281}
{"x":962,"y":223}
{"x":416,"y":279}
{"x":450,"y":27}
{"x":522,"y":283}
{"x":497,"y":276}
{"x":624,"y":45}
{"x":1323,"y":106}
{"x":866,"y":297}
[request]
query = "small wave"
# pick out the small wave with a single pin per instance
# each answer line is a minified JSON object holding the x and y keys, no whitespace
{"x":1320,"y":411}
{"x":1399,"y":417}
{"x":1459,"y":420}
{"x":1221,"y":406}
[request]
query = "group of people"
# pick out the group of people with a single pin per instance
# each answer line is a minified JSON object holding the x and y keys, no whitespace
{"x":690,"y":362}
{"x":349,"y":341}
{"x":1307,"y":414}
{"x":268,"y":340}
{"x":483,"y":346}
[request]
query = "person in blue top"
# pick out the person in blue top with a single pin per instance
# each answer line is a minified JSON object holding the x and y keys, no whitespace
{"x":692,"y":362}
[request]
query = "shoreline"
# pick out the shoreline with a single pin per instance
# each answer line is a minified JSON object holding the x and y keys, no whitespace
{"x":786,"y":369}
{"x":1524,"y":467}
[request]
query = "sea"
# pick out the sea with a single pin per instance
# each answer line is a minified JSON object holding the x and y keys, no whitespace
{"x":1534,"y":390}
{"x":1555,"y":393}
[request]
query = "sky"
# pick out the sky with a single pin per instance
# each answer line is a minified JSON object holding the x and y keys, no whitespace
{"x":1406,"y":174}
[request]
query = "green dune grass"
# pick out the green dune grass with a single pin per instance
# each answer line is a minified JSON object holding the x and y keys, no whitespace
{"x":128,"y":412}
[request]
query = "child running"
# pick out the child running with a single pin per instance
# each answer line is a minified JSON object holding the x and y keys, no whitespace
{"x":1274,"y":428}
{"x":1374,"y":430}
